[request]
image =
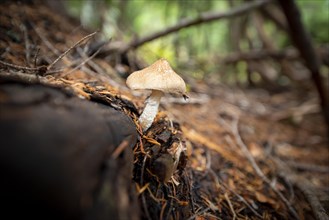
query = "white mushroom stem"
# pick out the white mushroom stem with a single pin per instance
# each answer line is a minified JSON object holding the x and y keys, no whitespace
{"x":150,"y":110}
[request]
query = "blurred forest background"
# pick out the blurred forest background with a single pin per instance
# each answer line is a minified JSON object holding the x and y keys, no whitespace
{"x":203,"y":50}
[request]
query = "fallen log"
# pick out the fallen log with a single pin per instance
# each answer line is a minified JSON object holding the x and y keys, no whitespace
{"x":56,"y":157}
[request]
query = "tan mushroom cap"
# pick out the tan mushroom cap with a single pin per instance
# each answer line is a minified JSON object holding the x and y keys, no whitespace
{"x":158,"y":76}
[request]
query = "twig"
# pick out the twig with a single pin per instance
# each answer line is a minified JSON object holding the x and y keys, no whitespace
{"x":198,"y":213}
{"x":162,"y":210}
{"x":72,"y":47}
{"x":202,"y":18}
{"x":306,"y":188}
{"x":44,"y":39}
{"x":148,"y":216}
{"x":40,"y":70}
{"x":230,"y":205}
{"x":308,"y":167}
{"x":189,"y":185}
{"x":35,"y":59}
{"x":82,"y":63}
{"x":259,"y":172}
{"x":291,"y":190}
{"x":27,"y":44}
{"x":103,"y":77}
{"x":92,"y":64}
{"x":318,"y":210}
{"x":18,"y":67}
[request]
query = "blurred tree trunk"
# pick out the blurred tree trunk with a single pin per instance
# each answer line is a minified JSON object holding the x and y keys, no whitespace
{"x":303,"y":42}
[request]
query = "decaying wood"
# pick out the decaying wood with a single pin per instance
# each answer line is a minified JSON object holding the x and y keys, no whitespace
{"x":64,"y":143}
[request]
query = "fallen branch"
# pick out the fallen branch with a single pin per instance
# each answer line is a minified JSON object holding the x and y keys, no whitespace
{"x":202,"y":18}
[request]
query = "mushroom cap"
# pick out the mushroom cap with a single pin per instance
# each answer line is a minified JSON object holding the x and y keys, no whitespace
{"x":158,"y":76}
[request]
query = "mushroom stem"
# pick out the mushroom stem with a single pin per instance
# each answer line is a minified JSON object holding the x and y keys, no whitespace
{"x":150,"y":110}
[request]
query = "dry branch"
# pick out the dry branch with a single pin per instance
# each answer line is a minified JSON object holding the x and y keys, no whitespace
{"x":202,"y":18}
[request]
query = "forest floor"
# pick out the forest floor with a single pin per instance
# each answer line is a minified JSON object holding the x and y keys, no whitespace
{"x":249,"y":153}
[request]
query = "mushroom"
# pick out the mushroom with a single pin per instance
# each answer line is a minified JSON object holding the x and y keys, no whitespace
{"x":160,"y":78}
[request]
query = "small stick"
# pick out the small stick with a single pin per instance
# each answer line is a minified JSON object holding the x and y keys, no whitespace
{"x":143,"y":195}
{"x":35,"y":59}
{"x":162,"y":210}
{"x":27,"y":44}
{"x":305,"y":186}
{"x":230,"y":204}
{"x":199,"y":213}
{"x":41,"y":70}
{"x":92,"y":64}
{"x":44,"y":39}
{"x":72,"y":47}
{"x":83,"y":63}
{"x":28,"y":69}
